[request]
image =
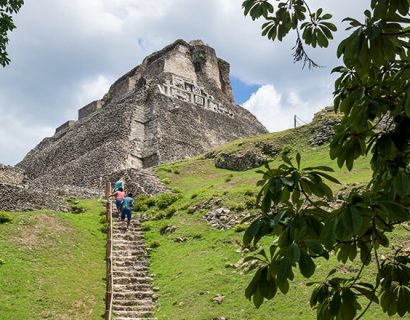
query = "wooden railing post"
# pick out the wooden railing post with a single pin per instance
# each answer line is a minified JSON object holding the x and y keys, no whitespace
{"x":108,"y":293}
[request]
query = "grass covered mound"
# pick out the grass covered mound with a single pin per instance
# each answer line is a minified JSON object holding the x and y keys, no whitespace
{"x":52,"y":265}
{"x":198,"y":269}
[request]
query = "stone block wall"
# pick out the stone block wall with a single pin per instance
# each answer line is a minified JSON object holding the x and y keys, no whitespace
{"x":65,"y":126}
{"x":90,"y":109}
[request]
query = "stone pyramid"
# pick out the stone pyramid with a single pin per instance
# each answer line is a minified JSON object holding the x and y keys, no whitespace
{"x":177,"y":103}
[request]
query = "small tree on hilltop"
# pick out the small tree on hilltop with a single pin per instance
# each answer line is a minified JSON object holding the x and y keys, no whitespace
{"x":373,"y":85}
{"x":7,"y":8}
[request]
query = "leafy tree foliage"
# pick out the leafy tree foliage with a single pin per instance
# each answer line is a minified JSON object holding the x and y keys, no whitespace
{"x":7,"y":8}
{"x":373,"y":86}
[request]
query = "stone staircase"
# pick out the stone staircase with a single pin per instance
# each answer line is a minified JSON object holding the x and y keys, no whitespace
{"x":133,"y":297}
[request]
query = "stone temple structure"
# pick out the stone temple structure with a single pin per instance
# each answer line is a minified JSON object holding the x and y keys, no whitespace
{"x":178,"y":103}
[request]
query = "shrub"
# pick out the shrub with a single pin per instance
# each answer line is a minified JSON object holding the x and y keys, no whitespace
{"x":184,"y":207}
{"x":176,"y":190}
{"x":141,"y":198}
{"x":229,"y":177}
{"x":225,"y":193}
{"x":240,"y":227}
{"x":150,"y":202}
{"x":176,"y":171}
{"x":163,"y":228}
{"x":77,"y":209}
{"x":166,"y":181}
{"x":158,"y":216}
{"x":196,"y":236}
{"x":249,"y":193}
{"x":287,"y":149}
{"x":238,"y":207}
{"x":146,"y":226}
{"x":104,"y":228}
{"x":170,"y":212}
{"x":4,"y":217}
{"x":165,"y":167}
{"x":154,"y":244}
{"x":194,"y":195}
{"x":191,"y":210}
{"x":164,"y":200}
{"x":141,"y":207}
{"x":250,"y":202}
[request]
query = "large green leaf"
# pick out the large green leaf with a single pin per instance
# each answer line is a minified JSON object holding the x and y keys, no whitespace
{"x":306,"y":264}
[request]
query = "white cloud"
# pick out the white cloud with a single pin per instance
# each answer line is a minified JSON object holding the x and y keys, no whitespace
{"x":276,"y":110}
{"x":93,"y":89}
{"x":16,"y":135}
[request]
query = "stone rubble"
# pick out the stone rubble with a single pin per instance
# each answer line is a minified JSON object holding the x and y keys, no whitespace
{"x":240,"y":162}
{"x":323,"y":127}
{"x":221,"y":218}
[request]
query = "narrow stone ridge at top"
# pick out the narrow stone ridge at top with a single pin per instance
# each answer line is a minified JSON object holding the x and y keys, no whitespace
{"x":177,"y":103}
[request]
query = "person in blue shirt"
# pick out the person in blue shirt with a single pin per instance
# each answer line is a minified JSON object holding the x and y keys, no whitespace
{"x":126,"y":208}
{"x":120,"y":184}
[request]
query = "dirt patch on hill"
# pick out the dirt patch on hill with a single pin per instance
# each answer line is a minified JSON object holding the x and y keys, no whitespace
{"x":40,"y":231}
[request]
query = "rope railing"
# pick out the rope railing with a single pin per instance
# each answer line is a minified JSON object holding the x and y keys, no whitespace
{"x":108,"y":254}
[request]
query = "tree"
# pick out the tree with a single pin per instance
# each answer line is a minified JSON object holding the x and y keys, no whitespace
{"x":373,"y":86}
{"x":7,"y":8}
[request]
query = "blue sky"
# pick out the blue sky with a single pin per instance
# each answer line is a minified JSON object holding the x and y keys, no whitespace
{"x":241,"y":90}
{"x":67,"y":53}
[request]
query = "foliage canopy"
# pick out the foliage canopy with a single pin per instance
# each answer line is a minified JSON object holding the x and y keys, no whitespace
{"x":373,"y":88}
{"x":7,"y":8}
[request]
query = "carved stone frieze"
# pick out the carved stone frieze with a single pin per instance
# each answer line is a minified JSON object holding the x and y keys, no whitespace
{"x":186,"y":90}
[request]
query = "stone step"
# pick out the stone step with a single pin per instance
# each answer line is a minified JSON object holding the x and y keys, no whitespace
{"x":139,"y":268}
{"x":126,"y":247}
{"x":132,"y":314}
{"x":117,"y":307}
{"x":139,"y":258}
{"x":125,"y":230}
{"x":132,"y":295}
{"x":132,"y":280}
{"x":124,"y":258}
{"x":134,"y":287}
{"x":127,"y":243}
{"x":130,"y":252}
{"x":130,"y":274}
{"x":129,"y":263}
{"x":121,"y":318}
{"x":127,"y":236}
{"x":118,"y":223}
{"x":133,"y":302}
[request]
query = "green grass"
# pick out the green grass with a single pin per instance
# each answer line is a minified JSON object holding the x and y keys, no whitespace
{"x":191,"y":273}
{"x":53,"y":265}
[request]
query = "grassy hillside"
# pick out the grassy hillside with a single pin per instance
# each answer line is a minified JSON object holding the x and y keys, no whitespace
{"x":194,"y":264}
{"x":52,"y":265}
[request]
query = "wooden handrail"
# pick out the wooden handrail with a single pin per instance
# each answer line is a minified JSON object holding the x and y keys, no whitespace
{"x":108,"y":254}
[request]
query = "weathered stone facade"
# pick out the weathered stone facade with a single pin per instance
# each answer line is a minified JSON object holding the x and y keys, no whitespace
{"x":11,"y":175}
{"x":178,"y":103}
{"x":17,"y":195}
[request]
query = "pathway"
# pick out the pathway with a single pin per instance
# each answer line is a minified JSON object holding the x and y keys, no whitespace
{"x":132,"y":291}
